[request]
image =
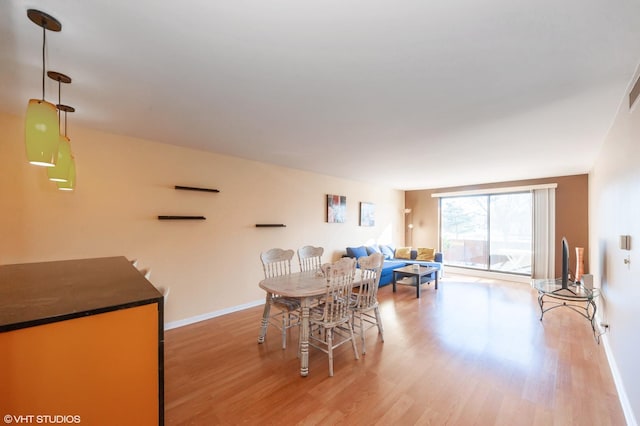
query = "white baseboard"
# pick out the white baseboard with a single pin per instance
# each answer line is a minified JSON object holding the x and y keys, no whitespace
{"x":203,"y":317}
{"x":617,"y":379}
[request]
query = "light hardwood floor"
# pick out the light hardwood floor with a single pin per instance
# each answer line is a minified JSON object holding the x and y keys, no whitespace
{"x":471,"y":353}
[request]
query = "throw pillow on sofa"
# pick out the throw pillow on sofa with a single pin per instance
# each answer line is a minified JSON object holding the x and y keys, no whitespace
{"x":403,"y":253}
{"x":426,"y":254}
{"x":373,"y":249}
{"x":357,"y":252}
{"x":387,"y":251}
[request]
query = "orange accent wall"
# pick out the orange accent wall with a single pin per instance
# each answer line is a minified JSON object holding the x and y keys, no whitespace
{"x":103,"y":368}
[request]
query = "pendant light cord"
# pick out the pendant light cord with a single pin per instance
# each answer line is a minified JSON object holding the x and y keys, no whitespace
{"x":60,"y":103}
{"x":44,"y":43}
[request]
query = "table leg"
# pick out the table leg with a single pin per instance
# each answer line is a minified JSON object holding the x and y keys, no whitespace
{"x":436,"y":272}
{"x":265,"y":318}
{"x":588,"y":310}
{"x":541,"y":302}
{"x":593,"y":319}
{"x":418,"y":286}
{"x":304,"y":337}
{"x":394,"y":281}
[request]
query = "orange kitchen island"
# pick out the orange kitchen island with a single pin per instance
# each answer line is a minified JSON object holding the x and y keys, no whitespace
{"x":81,"y":342}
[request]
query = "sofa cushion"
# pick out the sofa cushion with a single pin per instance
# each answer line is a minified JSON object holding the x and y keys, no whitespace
{"x":386,"y":275}
{"x":427,"y":254}
{"x":357,"y":252}
{"x":373,"y":249}
{"x":386,"y":251}
{"x":403,"y":253}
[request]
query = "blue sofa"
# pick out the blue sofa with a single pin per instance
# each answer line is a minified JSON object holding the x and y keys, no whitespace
{"x":391,"y":262}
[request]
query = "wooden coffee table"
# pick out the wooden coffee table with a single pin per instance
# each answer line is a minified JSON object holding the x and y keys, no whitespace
{"x":411,"y":271}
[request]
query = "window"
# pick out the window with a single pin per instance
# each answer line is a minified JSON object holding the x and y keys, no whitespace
{"x":490,"y":232}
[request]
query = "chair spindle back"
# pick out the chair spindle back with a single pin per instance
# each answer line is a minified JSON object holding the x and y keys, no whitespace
{"x":340,"y":275}
{"x":310,"y":258}
{"x":370,"y":267}
{"x":276,"y":262}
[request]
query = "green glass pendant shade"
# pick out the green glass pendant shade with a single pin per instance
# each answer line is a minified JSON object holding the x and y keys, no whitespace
{"x":42,"y":133}
{"x":70,"y":184}
{"x":60,"y":172}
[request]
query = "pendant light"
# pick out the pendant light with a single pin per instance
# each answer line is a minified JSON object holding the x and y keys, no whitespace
{"x":65,"y":170}
{"x":42,"y":131}
{"x":70,"y":184}
{"x":60,"y":172}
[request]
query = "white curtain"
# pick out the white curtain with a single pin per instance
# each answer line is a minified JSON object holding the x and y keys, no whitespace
{"x":544,"y":233}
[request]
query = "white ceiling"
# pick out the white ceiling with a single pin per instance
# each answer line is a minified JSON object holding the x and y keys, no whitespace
{"x":405,"y":93}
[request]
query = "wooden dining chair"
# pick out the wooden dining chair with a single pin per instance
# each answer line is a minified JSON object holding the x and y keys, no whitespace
{"x":310,"y":258}
{"x":146,"y":272}
{"x":277,"y":262}
{"x":330,"y":321}
{"x":364,"y":299}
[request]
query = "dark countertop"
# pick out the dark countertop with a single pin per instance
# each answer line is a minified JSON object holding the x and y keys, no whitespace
{"x":40,"y":293}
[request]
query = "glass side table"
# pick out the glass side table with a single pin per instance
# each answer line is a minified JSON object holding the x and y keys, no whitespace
{"x":578,"y":298}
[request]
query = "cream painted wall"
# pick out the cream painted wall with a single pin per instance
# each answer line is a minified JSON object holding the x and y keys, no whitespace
{"x":614,"y":208}
{"x":125,"y":183}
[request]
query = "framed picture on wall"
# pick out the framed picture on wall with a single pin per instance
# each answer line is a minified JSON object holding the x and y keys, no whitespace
{"x":367,"y":214}
{"x":336,"y":208}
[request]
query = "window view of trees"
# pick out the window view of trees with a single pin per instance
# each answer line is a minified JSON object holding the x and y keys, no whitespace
{"x":489,"y":232}
{"x":464,"y":231}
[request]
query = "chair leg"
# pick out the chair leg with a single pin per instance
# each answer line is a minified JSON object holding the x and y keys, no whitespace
{"x":285,"y":318}
{"x":362,"y":333}
{"x":330,"y":350}
{"x":353,"y":340}
{"x":379,"y":323}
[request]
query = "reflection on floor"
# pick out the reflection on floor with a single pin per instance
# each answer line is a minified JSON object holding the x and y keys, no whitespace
{"x":472,"y":352}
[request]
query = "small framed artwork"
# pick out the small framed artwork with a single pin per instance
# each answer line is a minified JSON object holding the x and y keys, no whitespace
{"x":367,"y":214}
{"x":336,"y":208}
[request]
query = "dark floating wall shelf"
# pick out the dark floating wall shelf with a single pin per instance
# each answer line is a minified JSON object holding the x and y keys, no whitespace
{"x":270,"y":225}
{"x":181,"y":218}
{"x":191,"y":188}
